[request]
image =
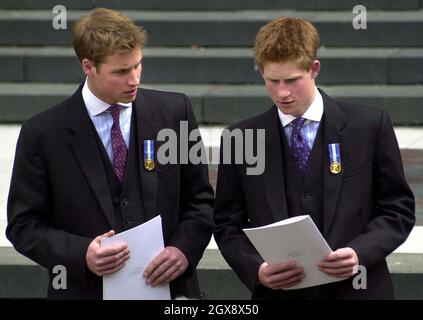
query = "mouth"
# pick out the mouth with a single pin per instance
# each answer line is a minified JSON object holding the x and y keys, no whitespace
{"x":285,"y":103}
{"x":132,"y":92}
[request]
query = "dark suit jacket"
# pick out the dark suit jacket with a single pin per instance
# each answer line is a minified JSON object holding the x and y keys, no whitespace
{"x":60,"y":200}
{"x":368,"y":206}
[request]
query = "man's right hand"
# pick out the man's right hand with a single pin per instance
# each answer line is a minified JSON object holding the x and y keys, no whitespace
{"x":281,"y":275}
{"x":106,"y":260}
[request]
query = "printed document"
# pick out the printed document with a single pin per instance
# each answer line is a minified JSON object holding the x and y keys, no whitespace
{"x":144,"y":242}
{"x":298,"y":239}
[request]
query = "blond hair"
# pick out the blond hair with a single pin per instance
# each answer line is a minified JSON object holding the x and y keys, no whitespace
{"x":287,"y":39}
{"x":104,"y":32}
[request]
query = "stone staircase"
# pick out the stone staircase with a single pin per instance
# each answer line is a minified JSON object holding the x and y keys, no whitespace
{"x":203,"y":48}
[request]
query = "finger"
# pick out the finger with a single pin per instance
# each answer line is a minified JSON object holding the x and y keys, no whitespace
{"x":339,"y":254}
{"x":289,"y":283}
{"x":175,"y":275}
{"x":112,"y":265}
{"x":331,"y":257}
{"x":111,"y":271}
{"x":280,"y":267}
{"x":284,"y":276}
{"x":165,"y":277}
{"x":159,"y":271}
{"x":343,"y":275}
{"x":108,"y":234}
{"x":112,"y":259}
{"x":340,"y":271}
{"x":104,"y":252}
{"x":337,"y":264}
{"x":154,"y":264}
{"x":287,"y":286}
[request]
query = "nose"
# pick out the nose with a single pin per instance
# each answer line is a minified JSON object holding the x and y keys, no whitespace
{"x":134,"y":77}
{"x":283,"y":91}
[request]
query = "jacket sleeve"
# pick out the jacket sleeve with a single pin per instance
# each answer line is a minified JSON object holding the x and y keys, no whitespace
{"x":195,"y":222}
{"x":230,"y":218}
{"x":394,"y":215}
{"x":29,"y":213}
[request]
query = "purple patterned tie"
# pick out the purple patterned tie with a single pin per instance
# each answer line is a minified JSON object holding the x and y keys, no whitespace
{"x":299,"y":146}
{"x":118,"y":143}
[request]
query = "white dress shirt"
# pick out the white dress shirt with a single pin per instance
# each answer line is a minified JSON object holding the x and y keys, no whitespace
{"x":103,"y":120}
{"x":313,"y":116}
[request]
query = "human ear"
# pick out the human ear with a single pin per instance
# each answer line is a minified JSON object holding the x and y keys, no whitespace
{"x":315,"y":69}
{"x":88,"y":67}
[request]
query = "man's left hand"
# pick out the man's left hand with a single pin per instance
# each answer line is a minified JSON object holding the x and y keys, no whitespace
{"x":166,"y":266}
{"x":340,"y":263}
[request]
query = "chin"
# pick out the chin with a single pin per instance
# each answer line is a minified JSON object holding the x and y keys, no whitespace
{"x":285,"y":110}
{"x":127,"y":100}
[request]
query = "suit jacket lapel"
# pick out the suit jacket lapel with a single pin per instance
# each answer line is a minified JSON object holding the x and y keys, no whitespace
{"x":273,"y":174}
{"x":334,"y":123}
{"x":84,"y":145}
{"x":147,"y":129}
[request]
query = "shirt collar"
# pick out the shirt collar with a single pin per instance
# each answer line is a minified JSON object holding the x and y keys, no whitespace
{"x":313,"y":113}
{"x":94,"y":105}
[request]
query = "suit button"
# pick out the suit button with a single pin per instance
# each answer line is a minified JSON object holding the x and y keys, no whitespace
{"x":124,"y":202}
{"x":307,"y":196}
{"x":128,"y":221}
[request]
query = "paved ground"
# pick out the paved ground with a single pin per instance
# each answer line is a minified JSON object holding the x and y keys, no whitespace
{"x":410,"y":141}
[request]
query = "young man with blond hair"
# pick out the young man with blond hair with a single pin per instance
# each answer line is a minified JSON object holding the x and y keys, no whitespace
{"x":335,"y":161}
{"x":86,"y":169}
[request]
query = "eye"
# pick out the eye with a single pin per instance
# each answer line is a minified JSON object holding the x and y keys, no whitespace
{"x":291,"y":81}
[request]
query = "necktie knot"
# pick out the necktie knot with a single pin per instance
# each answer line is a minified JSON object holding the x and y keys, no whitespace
{"x":115,"y":111}
{"x":297,"y":124}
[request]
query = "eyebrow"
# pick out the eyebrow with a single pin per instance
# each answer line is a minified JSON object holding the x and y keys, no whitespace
{"x":128,"y":68}
{"x":286,"y":79}
{"x":296,"y":75}
{"x":293,"y":77}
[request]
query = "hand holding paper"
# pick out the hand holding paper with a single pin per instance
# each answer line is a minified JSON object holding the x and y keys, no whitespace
{"x":280,"y":275}
{"x":146,"y":242}
{"x":294,"y":239}
{"x":168,"y":265}
{"x":104,"y":261}
{"x":341,"y":263}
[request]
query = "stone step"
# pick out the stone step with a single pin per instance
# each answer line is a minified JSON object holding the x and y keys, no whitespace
{"x":218,"y":104}
{"x":214,"y":4}
{"x":225,"y":28}
{"x":219,"y":65}
{"x":22,"y":278}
